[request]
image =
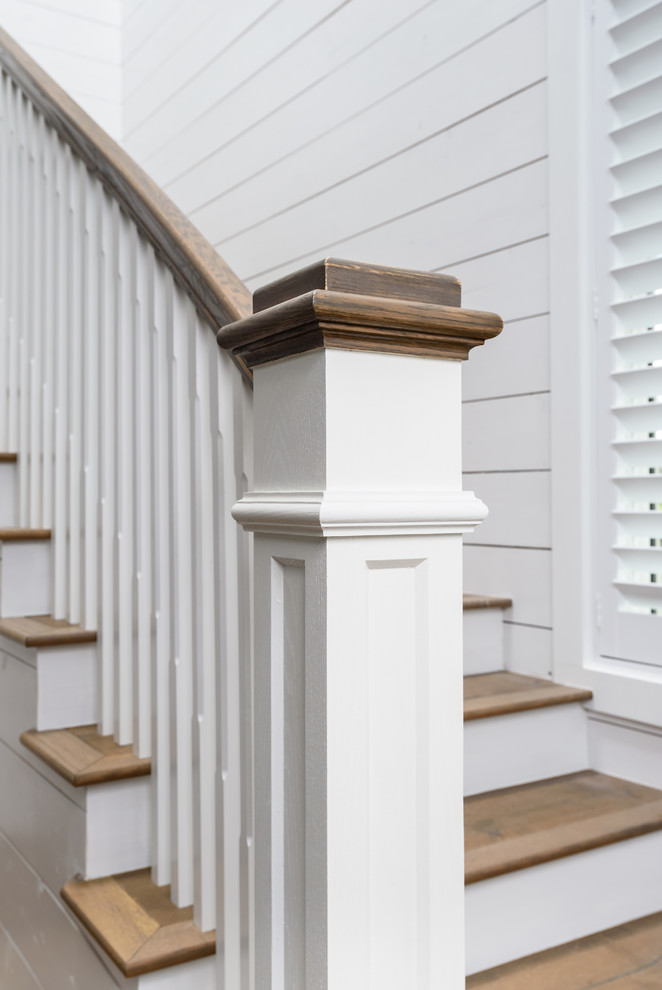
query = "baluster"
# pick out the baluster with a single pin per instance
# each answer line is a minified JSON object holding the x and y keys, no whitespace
{"x":108,"y":334}
{"x":48,"y":310}
{"x":207,"y":599}
{"x":61,"y":350}
{"x":162,"y":433}
{"x":125,"y":505}
{"x":233,"y":870}
{"x":38,"y":245}
{"x":5,"y":251}
{"x":77,"y":177}
{"x":24,"y":310}
{"x":143,"y":493}
{"x":181,"y":696}
{"x":13,"y":106}
{"x":91,"y":342}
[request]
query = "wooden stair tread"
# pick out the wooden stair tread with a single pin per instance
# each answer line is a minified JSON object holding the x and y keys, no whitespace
{"x":470,"y":601}
{"x":136,"y":922}
{"x":16,"y":535}
{"x":518,"y":827}
{"x":83,"y":757}
{"x":8,"y":458}
{"x":502,"y":692}
{"x":44,"y":630}
{"x":625,"y":958}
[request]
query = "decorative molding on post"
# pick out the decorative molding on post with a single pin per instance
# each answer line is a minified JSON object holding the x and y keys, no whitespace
{"x":358,"y":514}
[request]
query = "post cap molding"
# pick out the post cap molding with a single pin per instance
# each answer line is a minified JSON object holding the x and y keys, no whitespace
{"x":335,"y":514}
{"x":367,"y":309}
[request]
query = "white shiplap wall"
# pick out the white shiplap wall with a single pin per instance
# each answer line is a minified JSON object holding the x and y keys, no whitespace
{"x":78,"y":42}
{"x":394,"y":131}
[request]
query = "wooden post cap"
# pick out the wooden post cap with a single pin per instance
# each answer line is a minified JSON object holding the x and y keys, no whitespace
{"x":362,"y":307}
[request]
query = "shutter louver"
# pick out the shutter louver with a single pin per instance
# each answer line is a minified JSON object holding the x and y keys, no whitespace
{"x":636,"y":331}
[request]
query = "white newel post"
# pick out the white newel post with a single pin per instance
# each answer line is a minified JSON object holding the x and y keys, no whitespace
{"x":358,"y":516}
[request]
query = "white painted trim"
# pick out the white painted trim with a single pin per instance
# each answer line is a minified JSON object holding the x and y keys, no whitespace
{"x":570,"y":333}
{"x":359,"y":513}
{"x":530,"y":910}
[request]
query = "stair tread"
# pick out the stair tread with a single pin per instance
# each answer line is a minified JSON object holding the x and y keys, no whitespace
{"x":44,"y":630}
{"x":503,"y":692}
{"x":627,"y":958}
{"x":16,"y":534}
{"x":6,"y":457}
{"x":471,"y":601}
{"x":518,"y":827}
{"x":136,"y":922}
{"x":83,"y":757}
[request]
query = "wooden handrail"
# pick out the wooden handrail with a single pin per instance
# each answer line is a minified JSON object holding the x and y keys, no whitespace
{"x":214,"y":288}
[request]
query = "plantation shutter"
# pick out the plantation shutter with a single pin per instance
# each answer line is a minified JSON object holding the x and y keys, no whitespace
{"x":628,"y":110}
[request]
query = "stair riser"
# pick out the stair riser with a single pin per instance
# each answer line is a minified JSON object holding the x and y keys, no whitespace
{"x":483,"y":640}
{"x":8,"y":513}
{"x":66,"y":686}
{"x":520,"y":913}
{"x":42,"y":929}
{"x":506,"y":750}
{"x":25,"y":578}
{"x":93,"y":832}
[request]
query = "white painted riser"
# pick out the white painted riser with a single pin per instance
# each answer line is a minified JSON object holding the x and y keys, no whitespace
{"x":62,"y":685}
{"x":8,"y":507}
{"x":524,"y":912}
{"x":25,"y":578}
{"x":109,"y":833}
{"x":524,"y":746}
{"x":483,"y":640}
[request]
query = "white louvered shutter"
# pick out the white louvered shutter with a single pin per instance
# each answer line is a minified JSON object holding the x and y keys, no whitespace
{"x":628,"y":190}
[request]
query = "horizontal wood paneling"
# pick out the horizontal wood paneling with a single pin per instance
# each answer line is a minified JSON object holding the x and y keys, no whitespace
{"x":517,"y":361}
{"x":281,"y":26}
{"x":368,"y":116}
{"x":510,"y":434}
{"x":39,"y":924}
{"x":523,"y":575}
{"x":440,"y":167}
{"x":324,"y":79}
{"x":519,"y":508}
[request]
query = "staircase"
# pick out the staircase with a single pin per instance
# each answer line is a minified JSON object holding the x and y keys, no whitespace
{"x":109,"y":834}
{"x":554,"y":850}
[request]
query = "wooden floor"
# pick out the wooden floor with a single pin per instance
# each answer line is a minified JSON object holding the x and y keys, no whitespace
{"x":136,"y":922}
{"x":83,"y":757}
{"x":625,"y":958}
{"x":43,"y":630}
{"x":523,"y":826}
{"x":501,"y":693}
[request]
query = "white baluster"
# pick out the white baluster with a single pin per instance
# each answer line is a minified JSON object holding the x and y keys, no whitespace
{"x":91,"y":344}
{"x":109,"y":330}
{"x":49,"y":318}
{"x":208,"y":611}
{"x":162,"y":432}
{"x":23,"y":312}
{"x":143,"y":493}
{"x":75,"y":357}
{"x":37,"y":238}
{"x":181,"y":684}
{"x":126,"y":438}
{"x":61,"y":350}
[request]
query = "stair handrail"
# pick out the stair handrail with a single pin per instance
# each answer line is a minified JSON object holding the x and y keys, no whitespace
{"x":217,"y":292}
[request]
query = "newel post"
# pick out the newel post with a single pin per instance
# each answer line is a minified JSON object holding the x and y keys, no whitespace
{"x":358,"y":514}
